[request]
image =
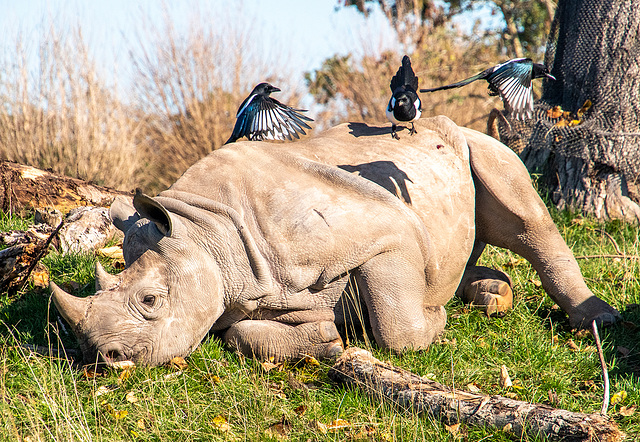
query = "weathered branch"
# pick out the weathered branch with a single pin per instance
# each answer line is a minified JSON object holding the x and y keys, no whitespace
{"x":25,"y":187}
{"x":358,"y":367}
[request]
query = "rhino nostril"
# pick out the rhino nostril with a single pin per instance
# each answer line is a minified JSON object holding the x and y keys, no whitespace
{"x":113,"y":355}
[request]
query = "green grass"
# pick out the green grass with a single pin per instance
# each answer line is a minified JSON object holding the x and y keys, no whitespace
{"x":44,"y":398}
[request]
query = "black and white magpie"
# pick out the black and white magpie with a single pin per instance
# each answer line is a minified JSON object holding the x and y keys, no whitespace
{"x":261,"y":117}
{"x":512,"y":81}
{"x":404,"y":105}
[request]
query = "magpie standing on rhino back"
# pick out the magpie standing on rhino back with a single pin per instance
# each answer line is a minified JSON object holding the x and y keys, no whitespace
{"x":404,"y":105}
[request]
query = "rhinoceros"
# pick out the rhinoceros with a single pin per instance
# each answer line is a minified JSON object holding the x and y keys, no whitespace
{"x":272,"y":245}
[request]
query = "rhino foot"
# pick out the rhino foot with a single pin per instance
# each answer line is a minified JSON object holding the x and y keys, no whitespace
{"x":486,"y":289}
{"x":593,"y":309}
{"x":276,"y":341}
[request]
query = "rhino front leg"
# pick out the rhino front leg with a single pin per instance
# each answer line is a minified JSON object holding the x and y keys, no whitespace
{"x":486,"y":289}
{"x":394,"y":289}
{"x":271,"y":340}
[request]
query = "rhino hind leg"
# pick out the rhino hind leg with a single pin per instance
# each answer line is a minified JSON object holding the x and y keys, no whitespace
{"x":277,"y":341}
{"x":486,"y":289}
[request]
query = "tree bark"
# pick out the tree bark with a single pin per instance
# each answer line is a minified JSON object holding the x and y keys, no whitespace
{"x":24,"y":188}
{"x":591,"y":163}
{"x":358,"y":367}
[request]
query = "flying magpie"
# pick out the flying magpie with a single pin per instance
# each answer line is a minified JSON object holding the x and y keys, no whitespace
{"x":404,"y":105}
{"x":261,"y":117}
{"x":512,"y":81}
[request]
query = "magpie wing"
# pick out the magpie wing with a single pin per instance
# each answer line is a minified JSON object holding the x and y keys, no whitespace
{"x":404,"y":76}
{"x":277,"y":121}
{"x":513,"y":81}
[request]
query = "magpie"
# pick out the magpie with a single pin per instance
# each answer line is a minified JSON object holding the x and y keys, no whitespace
{"x":404,"y":105}
{"x":261,"y":117}
{"x":512,"y":81}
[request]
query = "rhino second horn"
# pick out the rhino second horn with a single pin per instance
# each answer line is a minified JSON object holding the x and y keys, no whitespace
{"x":72,"y":308}
{"x":104,"y":280}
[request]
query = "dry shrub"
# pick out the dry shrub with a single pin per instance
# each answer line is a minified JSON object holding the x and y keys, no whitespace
{"x":64,"y":116}
{"x":351,"y":90}
{"x":191,"y":85}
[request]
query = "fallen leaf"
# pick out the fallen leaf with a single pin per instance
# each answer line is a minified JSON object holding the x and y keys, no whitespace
{"x":473,"y":387}
{"x":131,"y":397}
{"x":268,"y":366}
{"x":91,"y":373}
{"x":104,"y":389}
{"x":453,"y":429}
{"x":554,"y":112}
{"x":178,"y":363}
{"x":580,"y":334}
{"x":505,"y":380}
{"x":310,"y":360}
{"x":123,"y":365}
{"x":627,"y":411}
{"x":620,"y":396}
{"x":572,"y":345}
{"x":317,"y":425}
{"x":215,"y":379}
{"x":140,"y":424}
{"x":280,"y":429}
{"x":40,"y":279}
{"x":114,"y":252}
{"x":338,"y":424}
{"x":507,"y":428}
{"x":511,"y":395}
{"x":126,"y":374}
{"x":561,"y":123}
{"x":220,"y":423}
{"x":116,"y":414}
{"x":302,"y":409}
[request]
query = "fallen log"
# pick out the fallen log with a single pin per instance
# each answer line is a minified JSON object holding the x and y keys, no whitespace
{"x":25,"y":187}
{"x":407,"y":390}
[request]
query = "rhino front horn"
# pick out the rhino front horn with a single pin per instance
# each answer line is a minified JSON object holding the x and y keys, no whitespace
{"x":104,"y":280}
{"x":70,"y":307}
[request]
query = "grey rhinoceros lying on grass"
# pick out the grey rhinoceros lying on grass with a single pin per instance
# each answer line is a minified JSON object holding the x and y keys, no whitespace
{"x":262,"y":240}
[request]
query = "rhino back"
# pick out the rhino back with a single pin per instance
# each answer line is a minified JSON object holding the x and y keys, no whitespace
{"x":300,"y":216}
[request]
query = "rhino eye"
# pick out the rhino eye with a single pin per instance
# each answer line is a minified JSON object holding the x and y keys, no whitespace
{"x":149,"y":300}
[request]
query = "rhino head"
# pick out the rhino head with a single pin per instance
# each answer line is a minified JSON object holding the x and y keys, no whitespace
{"x":155,"y":309}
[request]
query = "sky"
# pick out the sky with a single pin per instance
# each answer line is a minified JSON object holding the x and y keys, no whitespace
{"x":302,"y":33}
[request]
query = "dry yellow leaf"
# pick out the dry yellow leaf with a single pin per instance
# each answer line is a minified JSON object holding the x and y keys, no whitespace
{"x":126,"y":374}
{"x":453,"y":429}
{"x":338,"y":424}
{"x":140,"y":424}
{"x":216,"y":380}
{"x":131,"y":397}
{"x":268,"y":366}
{"x":104,"y":389}
{"x":310,"y":360}
{"x":116,"y":414}
{"x":505,"y":380}
{"x":123,"y":365}
{"x":572,"y":345}
{"x":473,"y":387}
{"x":507,"y":428}
{"x":620,"y":396}
{"x":627,"y":411}
{"x":554,"y":112}
{"x":179,"y":363}
{"x":40,"y":279}
{"x":317,"y":425}
{"x":114,"y":252}
{"x":220,"y":423}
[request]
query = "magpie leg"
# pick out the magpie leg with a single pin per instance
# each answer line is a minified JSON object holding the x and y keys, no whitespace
{"x":413,"y":130}
{"x":393,"y":132}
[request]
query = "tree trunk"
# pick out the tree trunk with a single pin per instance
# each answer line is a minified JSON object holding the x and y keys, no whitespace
{"x":407,"y":390}
{"x":589,"y":161}
{"x":24,"y":187}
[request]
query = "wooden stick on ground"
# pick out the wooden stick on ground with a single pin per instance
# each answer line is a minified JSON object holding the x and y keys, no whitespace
{"x":358,"y":367}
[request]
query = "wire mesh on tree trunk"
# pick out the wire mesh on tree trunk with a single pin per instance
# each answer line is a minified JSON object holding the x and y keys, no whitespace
{"x":589,"y":162}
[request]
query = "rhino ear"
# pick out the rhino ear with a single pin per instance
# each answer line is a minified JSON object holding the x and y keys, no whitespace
{"x":153,"y":211}
{"x":122,"y":213}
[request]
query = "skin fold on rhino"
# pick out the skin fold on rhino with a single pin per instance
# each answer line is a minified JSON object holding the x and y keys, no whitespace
{"x":276,"y":245}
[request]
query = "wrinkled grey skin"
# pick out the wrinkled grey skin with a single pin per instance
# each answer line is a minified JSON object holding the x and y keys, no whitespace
{"x":260,"y":241}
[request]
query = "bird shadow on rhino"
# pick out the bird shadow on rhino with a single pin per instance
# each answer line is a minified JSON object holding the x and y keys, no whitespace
{"x":385,"y":174}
